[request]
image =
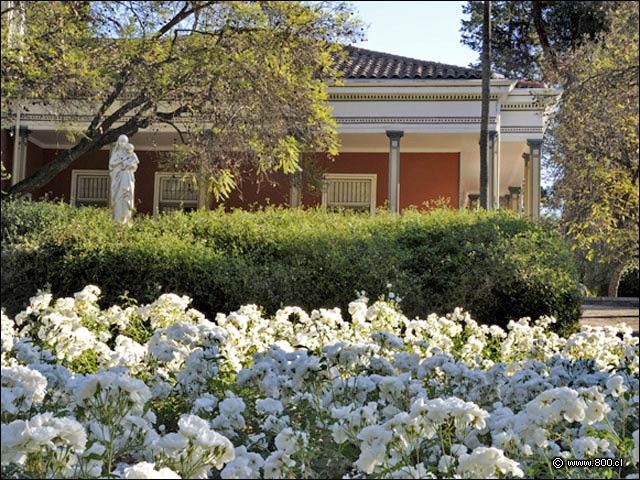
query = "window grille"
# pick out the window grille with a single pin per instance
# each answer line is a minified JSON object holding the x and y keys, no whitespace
{"x":175,"y":191}
{"x":90,"y":188}
{"x":354,"y":191}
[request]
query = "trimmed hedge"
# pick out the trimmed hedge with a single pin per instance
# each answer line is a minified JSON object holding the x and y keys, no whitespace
{"x":495,"y":265}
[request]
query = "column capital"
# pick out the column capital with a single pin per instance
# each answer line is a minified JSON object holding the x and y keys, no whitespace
{"x":534,"y":142}
{"x":515,"y":190}
{"x":492,"y":134}
{"x":394,"y":134}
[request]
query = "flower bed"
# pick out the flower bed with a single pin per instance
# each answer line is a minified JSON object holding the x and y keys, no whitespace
{"x":160,"y":391}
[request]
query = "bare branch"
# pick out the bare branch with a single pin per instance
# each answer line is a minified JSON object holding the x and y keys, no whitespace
{"x":175,"y":127}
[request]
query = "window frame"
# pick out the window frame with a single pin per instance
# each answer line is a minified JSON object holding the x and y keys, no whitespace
{"x":372,"y":177}
{"x":76,"y":173}
{"x":158,"y":176}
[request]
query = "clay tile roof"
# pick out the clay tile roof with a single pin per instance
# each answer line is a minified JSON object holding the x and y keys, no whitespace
{"x":529,"y":84}
{"x":367,"y":64}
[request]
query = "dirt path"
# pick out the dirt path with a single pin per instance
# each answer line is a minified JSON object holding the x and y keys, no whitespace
{"x":602,"y":315}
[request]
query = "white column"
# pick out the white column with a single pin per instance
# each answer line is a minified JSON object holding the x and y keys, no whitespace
{"x":493,"y":189}
{"x":394,"y":169}
{"x":533,"y":190}
{"x":20,"y":139}
{"x":526,"y":200}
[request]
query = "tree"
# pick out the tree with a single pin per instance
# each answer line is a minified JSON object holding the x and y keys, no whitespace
{"x":243,"y":83}
{"x":589,"y":49}
{"x":526,"y":35}
{"x":485,"y":201}
{"x":594,"y":147}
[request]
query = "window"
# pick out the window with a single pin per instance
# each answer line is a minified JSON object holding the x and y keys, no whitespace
{"x":174,"y":191}
{"x":347,"y":190}
{"x":90,"y":187}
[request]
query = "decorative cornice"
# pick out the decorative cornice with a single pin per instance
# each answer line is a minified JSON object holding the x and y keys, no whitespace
{"x":413,"y":120}
{"x":521,"y":130}
{"x":407,"y":97}
{"x":73,"y":117}
{"x":46,"y":117}
{"x":522,"y":107}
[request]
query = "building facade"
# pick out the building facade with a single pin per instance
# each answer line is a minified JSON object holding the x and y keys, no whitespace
{"x":409,"y":135}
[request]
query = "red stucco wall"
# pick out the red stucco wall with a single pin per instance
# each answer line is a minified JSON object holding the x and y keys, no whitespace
{"x":6,"y":149}
{"x":423,"y":177}
{"x":60,"y":186}
{"x":250,"y":193}
{"x":428,"y":176}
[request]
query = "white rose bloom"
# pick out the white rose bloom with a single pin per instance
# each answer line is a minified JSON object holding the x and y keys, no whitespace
{"x":205,"y":403}
{"x":171,"y":441}
{"x":13,"y":439}
{"x":485,"y":462}
{"x":231,"y":406}
{"x":7,"y":333}
{"x":616,"y":385}
{"x":445,"y":463}
{"x":147,"y":470}
{"x":269,"y":405}
{"x":374,"y":435}
{"x":21,"y":388}
{"x":191,"y":425}
{"x":370,"y":458}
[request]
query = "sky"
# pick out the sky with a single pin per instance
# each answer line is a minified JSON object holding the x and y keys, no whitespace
{"x":421,"y":30}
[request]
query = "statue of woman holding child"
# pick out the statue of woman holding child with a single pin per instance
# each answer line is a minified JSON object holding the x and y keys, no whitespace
{"x":122,"y":165}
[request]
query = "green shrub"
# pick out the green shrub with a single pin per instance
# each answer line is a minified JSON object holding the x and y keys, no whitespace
{"x":495,"y":265}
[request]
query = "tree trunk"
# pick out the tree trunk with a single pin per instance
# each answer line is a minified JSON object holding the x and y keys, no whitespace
{"x":45,"y":174}
{"x":538,"y":22}
{"x":484,"y":121}
{"x":614,"y":280}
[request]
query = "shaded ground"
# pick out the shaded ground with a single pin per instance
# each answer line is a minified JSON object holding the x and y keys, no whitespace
{"x":607,"y":311}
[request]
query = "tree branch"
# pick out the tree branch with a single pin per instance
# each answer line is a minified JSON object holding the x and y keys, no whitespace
{"x":541,"y":30}
{"x":180,"y":16}
{"x":115,"y":116}
{"x":42,"y":176}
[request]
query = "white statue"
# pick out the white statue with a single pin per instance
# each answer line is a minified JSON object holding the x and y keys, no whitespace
{"x":122,"y":165}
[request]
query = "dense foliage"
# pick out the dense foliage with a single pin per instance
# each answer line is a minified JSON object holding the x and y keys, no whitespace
{"x":161,"y":391}
{"x":497,"y":266}
{"x":241,"y":84}
{"x":594,"y":146}
{"x":589,"y":50}
{"x":524,"y":38}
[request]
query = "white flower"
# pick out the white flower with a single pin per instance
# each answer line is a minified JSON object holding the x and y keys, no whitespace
{"x":191,"y":425}
{"x":288,"y":440}
{"x":171,"y":441}
{"x":370,"y":457}
{"x":21,"y":388}
{"x":616,"y":385}
{"x":269,"y":405}
{"x":374,"y":435}
{"x":88,"y":294}
{"x":485,"y":462}
{"x":446,"y":463}
{"x":148,"y":470}
{"x":231,"y":406}
{"x":244,"y":465}
{"x":7,"y":333}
